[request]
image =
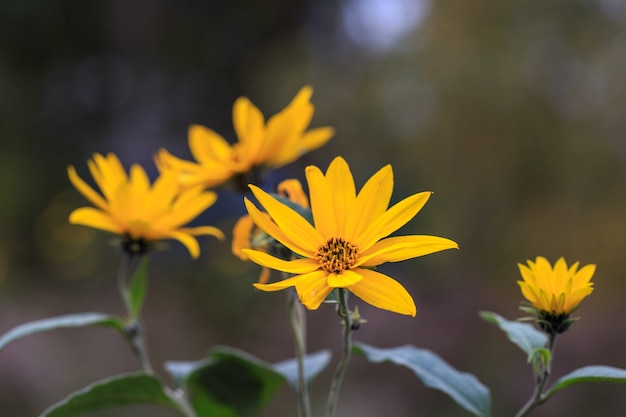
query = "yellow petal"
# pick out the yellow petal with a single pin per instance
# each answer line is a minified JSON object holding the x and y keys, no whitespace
{"x":312,"y":289}
{"x":82,"y":187}
{"x":264,"y":222}
{"x":394,"y":218}
{"x":203,"y":231}
{"x":322,"y":204}
{"x":207,"y":146}
{"x":89,"y":216}
{"x":344,"y":279}
{"x":249,"y":126}
{"x":299,"y":230}
{"x":383,"y":292}
{"x":400,"y":248}
{"x":371,"y":202}
{"x":297,"y":266}
{"x":343,"y":192}
{"x":186,"y":239}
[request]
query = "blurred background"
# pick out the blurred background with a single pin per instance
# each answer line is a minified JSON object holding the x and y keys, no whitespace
{"x":511,"y":112}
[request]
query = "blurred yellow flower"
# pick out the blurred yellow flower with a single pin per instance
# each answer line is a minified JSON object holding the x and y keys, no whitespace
{"x":343,"y":244}
{"x":247,"y":236}
{"x":260,"y":145}
{"x":556,"y":291}
{"x":141,"y":213}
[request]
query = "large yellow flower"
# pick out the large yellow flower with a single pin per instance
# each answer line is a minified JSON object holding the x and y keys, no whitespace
{"x":556,"y":291}
{"x":278,"y":142}
{"x":130,"y":206}
{"x":344,"y":242}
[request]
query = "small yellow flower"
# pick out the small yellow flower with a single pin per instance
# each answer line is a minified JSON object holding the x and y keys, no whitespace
{"x":247,"y":236}
{"x":261,"y":145}
{"x":556,"y":291}
{"x":343,"y":244}
{"x":138,"y":211}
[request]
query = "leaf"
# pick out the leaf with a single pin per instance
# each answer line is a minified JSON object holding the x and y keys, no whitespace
{"x":121,"y":390}
{"x":313,"y":365}
{"x":465,"y":389}
{"x":137,"y":288}
{"x":71,"y":320}
{"x":228,"y":383}
{"x":594,"y":373}
{"x":523,"y":335}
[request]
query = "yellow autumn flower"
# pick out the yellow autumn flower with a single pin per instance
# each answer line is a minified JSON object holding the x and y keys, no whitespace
{"x":346,"y":239}
{"x":246,"y":235}
{"x":260,"y":145}
{"x":556,"y":291}
{"x":141,"y":213}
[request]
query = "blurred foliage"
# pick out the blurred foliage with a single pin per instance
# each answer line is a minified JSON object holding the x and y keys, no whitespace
{"x":510,"y":111}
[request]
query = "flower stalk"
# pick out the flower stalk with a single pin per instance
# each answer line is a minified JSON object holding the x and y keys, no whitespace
{"x":134,"y":329}
{"x":297,"y":323}
{"x":538,"y":396}
{"x":344,"y":313}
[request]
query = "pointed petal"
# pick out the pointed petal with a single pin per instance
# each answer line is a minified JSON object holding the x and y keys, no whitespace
{"x":400,"y":248}
{"x":207,"y":146}
{"x":265,"y":223}
{"x":312,"y":289}
{"x":249,"y":126}
{"x":322,"y":204}
{"x":186,"y":239}
{"x":371,"y":202}
{"x":394,"y":218}
{"x":343,"y":192}
{"x":383,"y":292}
{"x":88,"y":192}
{"x":203,"y":231}
{"x":297,"y":266}
{"x":296,"y":227}
{"x":89,"y":216}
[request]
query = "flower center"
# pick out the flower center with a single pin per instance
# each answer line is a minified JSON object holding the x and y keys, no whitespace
{"x":337,"y":255}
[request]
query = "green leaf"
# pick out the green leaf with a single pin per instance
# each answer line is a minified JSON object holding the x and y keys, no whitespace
{"x":465,"y":389}
{"x":228,"y":383}
{"x":137,"y":287}
{"x":313,"y":365}
{"x":71,"y":320}
{"x":121,"y":390}
{"x":594,"y":373}
{"x":524,"y":335}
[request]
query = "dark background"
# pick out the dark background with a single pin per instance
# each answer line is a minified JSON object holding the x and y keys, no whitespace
{"x":511,"y":112}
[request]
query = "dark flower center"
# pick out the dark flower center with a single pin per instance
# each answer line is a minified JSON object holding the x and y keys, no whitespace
{"x":337,"y":255}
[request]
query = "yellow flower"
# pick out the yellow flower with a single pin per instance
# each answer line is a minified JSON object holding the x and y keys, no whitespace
{"x":247,"y":236}
{"x":261,"y":145}
{"x":556,"y":291}
{"x":142,"y":213}
{"x":345,"y":240}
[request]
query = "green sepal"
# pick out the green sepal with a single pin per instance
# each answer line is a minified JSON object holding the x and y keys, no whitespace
{"x":53,"y":323}
{"x":121,"y":390}
{"x":593,"y":373}
{"x":465,"y":389}
{"x":137,"y":288}
{"x":524,"y":335}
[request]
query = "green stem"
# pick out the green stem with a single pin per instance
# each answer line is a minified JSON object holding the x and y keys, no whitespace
{"x":335,"y":386}
{"x":537,"y":398}
{"x":134,"y":329}
{"x":297,"y":323}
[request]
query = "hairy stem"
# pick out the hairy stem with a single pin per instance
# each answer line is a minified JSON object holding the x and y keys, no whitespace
{"x":297,"y":324}
{"x":335,"y":386}
{"x":537,"y":398}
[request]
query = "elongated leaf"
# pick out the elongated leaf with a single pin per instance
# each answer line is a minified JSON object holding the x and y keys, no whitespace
{"x":594,"y":373}
{"x":523,"y":335}
{"x":465,"y":389}
{"x":71,"y":320}
{"x":228,"y":383}
{"x":313,"y":365}
{"x":137,"y":287}
{"x":121,"y":390}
